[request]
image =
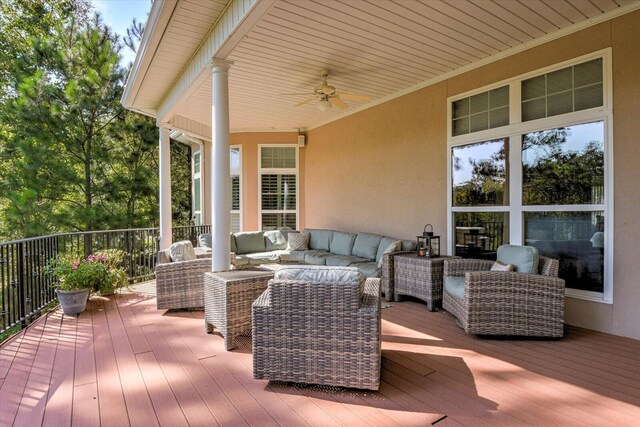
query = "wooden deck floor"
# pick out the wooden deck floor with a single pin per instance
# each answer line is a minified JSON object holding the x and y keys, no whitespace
{"x":123,"y":362}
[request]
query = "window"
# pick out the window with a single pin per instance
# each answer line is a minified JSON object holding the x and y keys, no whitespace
{"x":236,"y":188}
{"x":486,"y":110}
{"x":542,"y":178}
{"x":197,"y":189}
{"x":278,"y":171}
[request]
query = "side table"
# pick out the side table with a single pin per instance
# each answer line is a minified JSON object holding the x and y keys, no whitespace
{"x":228,"y":296}
{"x":419,"y":277}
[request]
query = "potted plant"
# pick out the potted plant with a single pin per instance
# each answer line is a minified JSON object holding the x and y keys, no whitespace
{"x":78,"y":277}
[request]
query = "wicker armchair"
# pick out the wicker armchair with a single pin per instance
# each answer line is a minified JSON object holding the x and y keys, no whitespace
{"x":507,"y":303}
{"x":181,"y":284}
{"x":318,"y":330}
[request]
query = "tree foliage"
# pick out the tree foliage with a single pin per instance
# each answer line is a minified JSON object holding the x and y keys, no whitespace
{"x":71,"y":157}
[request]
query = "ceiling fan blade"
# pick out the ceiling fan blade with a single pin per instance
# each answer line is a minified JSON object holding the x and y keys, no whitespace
{"x":355,"y":97}
{"x":306,"y":101}
{"x":338,"y":102}
{"x":295,"y":94}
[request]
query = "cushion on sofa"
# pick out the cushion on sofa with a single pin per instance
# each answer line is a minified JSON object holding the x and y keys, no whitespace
{"x":250,"y":242}
{"x":242,"y":260}
{"x":182,"y":251}
{"x":320,"y":274}
{"x":275,"y":239}
{"x":263,"y":257}
{"x":369,"y":269}
{"x":164,"y":257}
{"x":341,"y":243}
{"x":234,"y":247}
{"x":298,"y":242}
{"x":287,"y":255}
{"x":409,"y":245}
{"x":320,"y":239}
{"x":391,"y":248}
{"x":454,"y":286}
{"x":204,"y":241}
{"x":317,"y":257}
{"x":366,"y":245}
{"x":384,"y":245}
{"x":345,"y":260}
{"x":524,"y":258}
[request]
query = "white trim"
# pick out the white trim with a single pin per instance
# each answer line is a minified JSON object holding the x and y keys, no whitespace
{"x":622,"y":10}
{"x":239,"y":173}
{"x":514,"y":132}
{"x":279,"y":171}
{"x":197,"y":175}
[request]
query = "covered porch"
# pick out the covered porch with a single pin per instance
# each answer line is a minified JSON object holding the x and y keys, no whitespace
{"x":125,"y":363}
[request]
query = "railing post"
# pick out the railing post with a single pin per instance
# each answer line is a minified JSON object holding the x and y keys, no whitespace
{"x":22,"y":304}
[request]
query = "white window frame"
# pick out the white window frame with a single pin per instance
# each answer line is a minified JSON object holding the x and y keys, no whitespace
{"x":239,"y":173}
{"x":514,"y":131}
{"x":196,"y":175}
{"x":278,"y":171}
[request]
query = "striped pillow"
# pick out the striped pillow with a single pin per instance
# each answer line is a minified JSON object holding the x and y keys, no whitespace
{"x":298,"y":241}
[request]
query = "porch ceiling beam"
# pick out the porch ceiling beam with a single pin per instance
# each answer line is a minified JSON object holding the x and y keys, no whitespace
{"x":235,"y":22}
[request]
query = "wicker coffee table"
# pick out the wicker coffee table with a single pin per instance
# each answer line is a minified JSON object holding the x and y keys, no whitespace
{"x":228,"y":296}
{"x":419,"y":277}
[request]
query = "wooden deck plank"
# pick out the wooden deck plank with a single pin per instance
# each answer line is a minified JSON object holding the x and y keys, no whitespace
{"x":18,"y":373}
{"x":139,"y":406}
{"x":86,"y":410}
{"x":34,"y":396}
{"x":60,"y":398}
{"x":164,"y":402}
{"x":432,"y":373}
{"x":113,"y":410}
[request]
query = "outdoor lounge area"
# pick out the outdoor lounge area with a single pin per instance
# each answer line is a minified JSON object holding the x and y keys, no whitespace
{"x":123,"y":362}
{"x":417,"y":212}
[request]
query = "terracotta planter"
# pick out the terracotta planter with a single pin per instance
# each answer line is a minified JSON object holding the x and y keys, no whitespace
{"x":73,"y":302}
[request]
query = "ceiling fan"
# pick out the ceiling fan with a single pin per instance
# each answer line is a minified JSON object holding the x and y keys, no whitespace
{"x":327,"y":95}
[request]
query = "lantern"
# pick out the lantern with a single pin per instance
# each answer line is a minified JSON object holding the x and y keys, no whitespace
{"x":428,"y":244}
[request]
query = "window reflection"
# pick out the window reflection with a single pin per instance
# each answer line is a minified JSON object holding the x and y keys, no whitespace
{"x":478,"y":234}
{"x":574,"y":238}
{"x":479,"y":174}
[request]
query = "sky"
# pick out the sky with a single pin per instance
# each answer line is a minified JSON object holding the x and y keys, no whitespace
{"x":118,"y":14}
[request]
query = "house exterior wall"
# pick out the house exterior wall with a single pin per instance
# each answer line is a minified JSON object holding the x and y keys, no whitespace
{"x":383,"y":169}
{"x":249,"y":143}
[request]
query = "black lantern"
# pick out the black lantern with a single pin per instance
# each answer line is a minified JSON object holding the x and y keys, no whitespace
{"x":428,"y":244}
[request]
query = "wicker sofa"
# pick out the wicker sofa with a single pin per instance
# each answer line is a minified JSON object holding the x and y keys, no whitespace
{"x":503,"y":302}
{"x":181,"y":284}
{"x":318,"y":325}
{"x":326,"y":247}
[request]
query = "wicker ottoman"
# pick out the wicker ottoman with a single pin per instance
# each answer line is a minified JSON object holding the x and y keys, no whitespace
{"x":419,"y":277}
{"x":228,"y":296}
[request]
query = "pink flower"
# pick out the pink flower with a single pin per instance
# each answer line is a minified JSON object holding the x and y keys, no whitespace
{"x":90,"y":257}
{"x":76,"y":264}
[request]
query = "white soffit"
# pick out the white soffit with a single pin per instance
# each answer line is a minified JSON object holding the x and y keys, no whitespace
{"x":190,"y":22}
{"x":379,"y":48}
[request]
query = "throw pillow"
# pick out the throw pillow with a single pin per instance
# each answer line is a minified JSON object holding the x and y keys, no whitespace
{"x":182,"y":251}
{"x":298,"y":241}
{"x":393,"y":247}
{"x":500,"y":266}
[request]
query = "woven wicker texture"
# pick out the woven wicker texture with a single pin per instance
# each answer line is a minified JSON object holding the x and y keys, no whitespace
{"x":316,"y":336}
{"x":419,"y":277}
{"x":228,"y":296}
{"x":180,"y":284}
{"x":388,"y":274}
{"x":506,"y":303}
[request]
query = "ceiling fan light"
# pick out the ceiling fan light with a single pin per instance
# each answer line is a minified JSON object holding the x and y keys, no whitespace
{"x":324,"y":105}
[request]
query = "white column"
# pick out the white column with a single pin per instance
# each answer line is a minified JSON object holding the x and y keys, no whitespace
{"x":165,"y":189}
{"x":220,"y":174}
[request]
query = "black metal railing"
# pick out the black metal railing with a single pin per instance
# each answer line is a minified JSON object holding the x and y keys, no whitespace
{"x":26,"y":290}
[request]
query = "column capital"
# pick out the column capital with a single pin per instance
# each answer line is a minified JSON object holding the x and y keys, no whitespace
{"x":218,"y":65}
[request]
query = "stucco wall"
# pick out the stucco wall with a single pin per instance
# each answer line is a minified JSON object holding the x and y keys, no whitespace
{"x":384,"y":169}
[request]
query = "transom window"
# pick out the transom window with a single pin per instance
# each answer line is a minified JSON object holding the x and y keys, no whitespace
{"x":542,"y":178}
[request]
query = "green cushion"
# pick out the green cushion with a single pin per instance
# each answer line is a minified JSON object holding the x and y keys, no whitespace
{"x":242,"y":260}
{"x":366,"y":245}
{"x":341,"y":243}
{"x":454,"y":286}
{"x":263,"y":257}
{"x":320,"y":239}
{"x":204,"y":241}
{"x":287,"y":255}
{"x":345,"y":260}
{"x":317,"y":257}
{"x":234,"y":248}
{"x":524,"y":258}
{"x":276,"y":239}
{"x":369,"y":269}
{"x":250,"y":242}
{"x":384,"y":244}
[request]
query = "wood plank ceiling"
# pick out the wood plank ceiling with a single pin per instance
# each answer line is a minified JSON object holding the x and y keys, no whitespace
{"x":372,"y":47}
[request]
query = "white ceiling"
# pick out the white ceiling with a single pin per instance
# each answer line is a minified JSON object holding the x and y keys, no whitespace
{"x":375,"y":47}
